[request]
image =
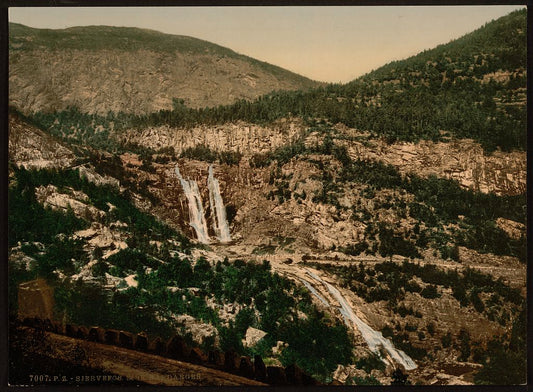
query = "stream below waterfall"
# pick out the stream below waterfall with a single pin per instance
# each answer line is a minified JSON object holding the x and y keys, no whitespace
{"x":375,"y":340}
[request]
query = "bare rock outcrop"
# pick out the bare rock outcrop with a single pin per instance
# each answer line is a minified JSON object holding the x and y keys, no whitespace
{"x":76,"y":201}
{"x":33,"y":149}
{"x":253,"y":336}
{"x":97,"y":179}
{"x":240,"y":137}
{"x":462,"y":160}
{"x":200,"y":331}
{"x":513,"y":229}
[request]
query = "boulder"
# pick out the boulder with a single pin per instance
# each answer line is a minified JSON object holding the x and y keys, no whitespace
{"x":47,"y":325}
{"x":82,"y":333}
{"x":231,"y":361}
{"x":197,"y":356}
{"x":111,"y":336}
{"x":216,"y":357}
{"x":71,"y":330}
{"x":253,"y":336}
{"x":58,"y":327}
{"x":294,"y":375}
{"x":246,"y":367}
{"x":308,"y":380}
{"x":97,"y":334}
{"x":157,"y":346}
{"x":125,"y":339}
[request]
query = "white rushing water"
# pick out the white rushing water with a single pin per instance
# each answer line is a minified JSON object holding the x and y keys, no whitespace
{"x":315,"y":293}
{"x":220,"y":223}
{"x":196,"y":210}
{"x":374,"y":339}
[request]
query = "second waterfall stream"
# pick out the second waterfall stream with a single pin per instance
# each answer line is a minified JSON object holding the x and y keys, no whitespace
{"x":220,"y":222}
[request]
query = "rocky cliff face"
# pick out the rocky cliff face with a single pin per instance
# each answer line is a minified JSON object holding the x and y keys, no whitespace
{"x":240,"y":137}
{"x":34,"y":149}
{"x":463,"y":160}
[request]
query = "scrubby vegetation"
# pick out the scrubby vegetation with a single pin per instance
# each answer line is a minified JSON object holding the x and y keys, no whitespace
{"x":168,"y":284}
{"x":25,"y":211}
{"x":505,"y":352}
{"x":74,"y":126}
{"x":45,"y":234}
{"x":177,"y":286}
{"x":204,"y":153}
{"x":437,"y":203}
{"x":389,"y":281}
{"x":140,"y":223}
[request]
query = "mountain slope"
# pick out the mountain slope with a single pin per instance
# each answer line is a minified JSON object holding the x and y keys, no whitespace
{"x":32,"y":148}
{"x":355,"y":223}
{"x":473,"y":87}
{"x":101,"y":68}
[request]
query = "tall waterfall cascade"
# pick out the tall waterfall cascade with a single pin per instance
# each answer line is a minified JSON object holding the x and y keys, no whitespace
{"x":374,"y":339}
{"x":196,"y":209}
{"x":220,"y":222}
{"x":197,"y":218}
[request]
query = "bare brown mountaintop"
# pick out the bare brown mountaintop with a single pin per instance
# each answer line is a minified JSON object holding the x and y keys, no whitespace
{"x":102,"y":68}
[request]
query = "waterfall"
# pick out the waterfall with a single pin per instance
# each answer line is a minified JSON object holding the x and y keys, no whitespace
{"x":220,"y":223}
{"x":374,"y":339}
{"x":196,"y":210}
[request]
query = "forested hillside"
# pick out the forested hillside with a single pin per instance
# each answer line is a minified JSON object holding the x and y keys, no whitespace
{"x":168,"y":281}
{"x":473,"y":87}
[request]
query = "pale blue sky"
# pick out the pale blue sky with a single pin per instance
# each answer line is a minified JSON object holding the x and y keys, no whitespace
{"x":332,"y":44}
